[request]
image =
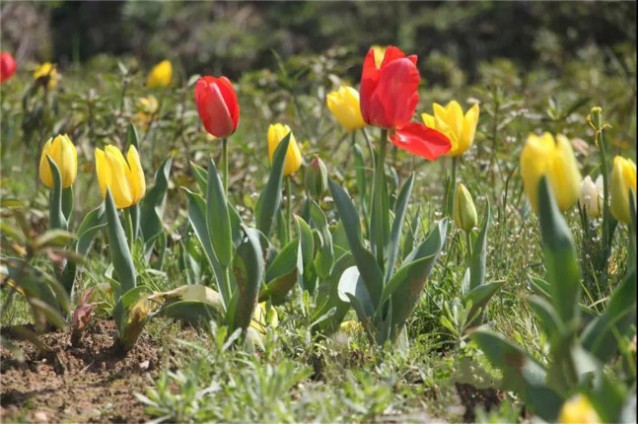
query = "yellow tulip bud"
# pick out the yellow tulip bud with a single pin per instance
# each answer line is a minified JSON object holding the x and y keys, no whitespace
{"x":62,"y":151}
{"x":344,"y":105}
{"x":161,"y":75}
{"x":464,"y":210}
{"x":451,"y":121}
{"x":276,"y":133}
{"x":623,"y":179}
{"x":578,"y":410}
{"x":123,"y":177}
{"x":542,"y":155}
{"x":591,"y":196}
{"x":47,"y":75}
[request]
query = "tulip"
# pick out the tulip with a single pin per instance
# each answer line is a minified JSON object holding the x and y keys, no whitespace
{"x":217,"y":105}
{"x":623,"y":180}
{"x":47,"y":75}
{"x":316,"y":178}
{"x":62,"y":151}
{"x":464,"y":210}
{"x":146,"y":108}
{"x":276,"y":133}
{"x":344,"y":105}
{"x":591,"y":196}
{"x":578,"y":410}
{"x":7,"y":66}
{"x":123,"y":177}
{"x":451,"y":121}
{"x":389,"y":96}
{"x":544,"y":155}
{"x":161,"y":75}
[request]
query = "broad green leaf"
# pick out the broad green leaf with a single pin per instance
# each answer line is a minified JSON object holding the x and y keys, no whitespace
{"x":248,"y":269}
{"x":201,"y":177}
{"x":305,"y":252}
{"x":67,"y":203}
{"x":56,"y":215}
{"x":131,"y":312}
{"x":269,"y":200}
{"x":192,"y":303}
{"x":53,"y":238}
{"x":325,"y":254}
{"x":480,"y":296}
{"x":550,"y":321}
{"x":151,"y":209}
{"x":328,"y":297}
{"x":132,"y":138}
{"x":521,"y":374}
{"x":479,"y":252}
{"x":93,"y":222}
{"x":120,"y":254}
{"x":368,"y":267}
{"x":281,"y":274}
{"x":561,"y":258}
{"x":218,"y":217}
{"x":397,"y":225}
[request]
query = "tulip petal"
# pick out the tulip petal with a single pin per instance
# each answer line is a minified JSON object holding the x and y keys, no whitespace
{"x":421,"y":141}
{"x":119,"y":183}
{"x":135,"y":174}
{"x":230,"y":99}
{"x":395,"y":98}
{"x":102,"y":170}
{"x":369,"y":81}
{"x":45,"y":169}
{"x":212,"y":108}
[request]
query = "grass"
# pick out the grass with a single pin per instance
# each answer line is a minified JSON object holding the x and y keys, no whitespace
{"x":295,"y":376}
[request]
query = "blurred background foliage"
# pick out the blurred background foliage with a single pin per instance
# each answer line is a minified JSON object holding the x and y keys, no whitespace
{"x":234,"y":37}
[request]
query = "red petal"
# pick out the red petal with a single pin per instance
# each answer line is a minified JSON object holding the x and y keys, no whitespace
{"x":230,"y":97}
{"x":369,"y":81}
{"x":395,"y":97}
{"x":421,"y":141}
{"x":392,"y":53}
{"x":212,"y":108}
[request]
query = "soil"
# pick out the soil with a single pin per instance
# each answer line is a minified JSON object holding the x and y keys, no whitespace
{"x":93,"y":382}
{"x":473,"y":397}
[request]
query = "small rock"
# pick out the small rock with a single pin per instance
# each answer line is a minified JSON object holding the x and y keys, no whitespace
{"x":144,"y":365}
{"x":41,"y":417}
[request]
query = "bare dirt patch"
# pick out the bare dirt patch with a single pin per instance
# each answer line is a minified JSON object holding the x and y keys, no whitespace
{"x":93,"y":382}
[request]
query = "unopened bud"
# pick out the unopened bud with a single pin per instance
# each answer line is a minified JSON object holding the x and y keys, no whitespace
{"x":316,"y":178}
{"x":464,"y":210}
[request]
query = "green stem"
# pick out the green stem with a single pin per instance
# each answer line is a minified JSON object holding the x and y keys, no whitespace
{"x":129,"y":227}
{"x":225,"y":166}
{"x":380,"y":219}
{"x":606,"y":211}
{"x":288,"y":207}
{"x":451,"y":189}
{"x":468,"y":241}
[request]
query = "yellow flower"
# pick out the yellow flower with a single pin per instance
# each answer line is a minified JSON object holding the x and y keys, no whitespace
{"x":146,"y":108}
{"x":263,"y":318}
{"x":459,"y":128}
{"x":578,"y":410}
{"x":379,"y":54}
{"x":123,"y":177}
{"x":47,"y":74}
{"x":464,"y":210}
{"x":351,"y":327}
{"x":62,"y":151}
{"x":344,"y":105}
{"x":161,"y":75}
{"x":276,"y":133}
{"x":623,"y":179}
{"x":542,"y":155}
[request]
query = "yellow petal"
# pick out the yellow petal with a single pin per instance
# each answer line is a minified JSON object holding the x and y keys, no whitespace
{"x":623,"y":179}
{"x":119,"y":183}
{"x":344,"y":106}
{"x":45,"y":169}
{"x":565,"y":177}
{"x":102,"y":170}
{"x":136,"y":174}
{"x":68,"y":160}
{"x":428,"y":120}
{"x":161,"y":75}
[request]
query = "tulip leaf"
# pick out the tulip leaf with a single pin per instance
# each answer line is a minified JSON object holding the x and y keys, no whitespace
{"x":248,"y":268}
{"x":93,"y":222}
{"x":328,"y":297}
{"x":67,"y":203}
{"x":305,"y":253}
{"x":397,"y":225}
{"x":131,"y":312}
{"x":359,"y":166}
{"x":197,"y":218}
{"x":201,"y":177}
{"x":550,"y":321}
{"x":132,"y":138}
{"x":152,"y":205}
{"x":353,"y":290}
{"x":521,"y":374}
{"x":368,"y":267}
{"x":218,"y":217}
{"x":480,"y":296}
{"x":325,"y":254}
{"x":479,"y":252}
{"x":561,"y":258}
{"x":281,"y":274}
{"x":269,"y":200}
{"x":56,"y":214}
{"x":120,"y":252}
{"x":600,"y":336}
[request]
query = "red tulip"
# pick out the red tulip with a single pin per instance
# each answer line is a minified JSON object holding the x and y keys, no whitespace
{"x":217,"y":105}
{"x":7,"y":66}
{"x":389,"y":96}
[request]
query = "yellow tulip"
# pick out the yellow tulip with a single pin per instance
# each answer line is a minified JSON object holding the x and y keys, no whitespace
{"x":48,"y":74}
{"x":344,"y":105}
{"x":62,"y":151}
{"x":451,"y":121}
{"x":623,"y":179}
{"x":263,"y":318}
{"x":464,"y":209}
{"x":578,"y":410}
{"x":276,"y":133}
{"x":542,"y":155}
{"x":161,"y":75}
{"x":123,"y":177}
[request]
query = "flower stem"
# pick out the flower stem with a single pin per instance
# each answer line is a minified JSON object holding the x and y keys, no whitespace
{"x":380,"y":220}
{"x":225,"y":166}
{"x":468,"y":240}
{"x":288,"y":207}
{"x":451,"y":188}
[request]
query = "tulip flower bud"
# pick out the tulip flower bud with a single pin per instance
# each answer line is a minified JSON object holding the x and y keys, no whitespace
{"x":123,"y":177}
{"x":316,"y":179}
{"x":217,"y":105}
{"x":464,"y":211}
{"x":623,"y":180}
{"x":62,"y":151}
{"x":47,"y":75}
{"x":344,"y":105}
{"x":7,"y":66}
{"x":544,"y":155}
{"x":276,"y":133}
{"x":161,"y":75}
{"x":578,"y":410}
{"x":591,"y":196}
